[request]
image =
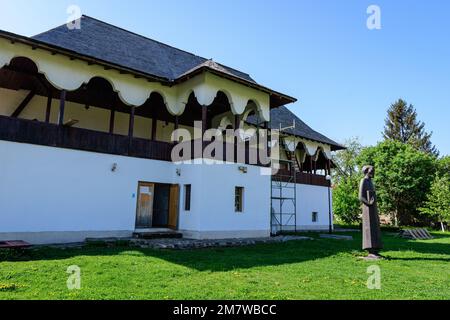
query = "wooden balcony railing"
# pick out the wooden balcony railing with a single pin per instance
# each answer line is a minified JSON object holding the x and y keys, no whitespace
{"x":244,"y":153}
{"x":303,"y":178}
{"x":46,"y":134}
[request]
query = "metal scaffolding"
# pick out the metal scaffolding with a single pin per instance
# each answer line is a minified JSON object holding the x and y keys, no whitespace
{"x":284,"y":200}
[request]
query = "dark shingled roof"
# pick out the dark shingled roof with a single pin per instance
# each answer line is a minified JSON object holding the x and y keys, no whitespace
{"x":100,"y":40}
{"x":284,"y":117}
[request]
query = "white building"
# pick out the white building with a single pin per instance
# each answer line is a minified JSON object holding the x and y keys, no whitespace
{"x":86,"y":118}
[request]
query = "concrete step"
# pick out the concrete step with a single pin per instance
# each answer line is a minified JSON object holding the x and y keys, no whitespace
{"x":158,"y":235}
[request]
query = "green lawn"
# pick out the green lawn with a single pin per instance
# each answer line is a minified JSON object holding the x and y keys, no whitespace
{"x":318,"y":269}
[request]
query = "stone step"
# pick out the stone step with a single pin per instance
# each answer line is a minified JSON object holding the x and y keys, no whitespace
{"x":158,"y":235}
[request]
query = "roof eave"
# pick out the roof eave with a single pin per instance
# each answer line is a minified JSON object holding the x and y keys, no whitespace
{"x":36,"y":44}
{"x":277,"y":99}
{"x":282,"y":99}
{"x":334,"y":146}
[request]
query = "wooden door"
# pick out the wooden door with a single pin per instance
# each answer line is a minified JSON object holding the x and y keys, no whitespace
{"x":144,"y":214}
{"x":174,"y":201}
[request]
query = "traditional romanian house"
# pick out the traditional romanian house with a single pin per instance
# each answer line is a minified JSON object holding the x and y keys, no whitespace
{"x":87,"y":122}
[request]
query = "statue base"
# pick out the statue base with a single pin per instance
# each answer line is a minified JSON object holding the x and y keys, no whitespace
{"x":373,"y":257}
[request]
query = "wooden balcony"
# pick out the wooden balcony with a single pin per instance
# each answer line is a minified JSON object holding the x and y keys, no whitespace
{"x":244,"y":153}
{"x":303,"y":178}
{"x":46,"y":134}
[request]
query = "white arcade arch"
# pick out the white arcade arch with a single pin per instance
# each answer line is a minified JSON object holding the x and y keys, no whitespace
{"x":69,"y":74}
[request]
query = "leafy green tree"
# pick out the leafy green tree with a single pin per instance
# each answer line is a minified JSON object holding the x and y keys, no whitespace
{"x":402,"y":125}
{"x":346,"y":206}
{"x":444,"y":166}
{"x":345,"y":160}
{"x":437,"y":204}
{"x":403,"y":176}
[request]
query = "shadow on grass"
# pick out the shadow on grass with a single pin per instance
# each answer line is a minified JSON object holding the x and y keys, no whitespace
{"x":225,"y":259}
{"x":419,"y":259}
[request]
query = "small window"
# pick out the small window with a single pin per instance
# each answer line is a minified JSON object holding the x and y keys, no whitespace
{"x":315,"y":217}
{"x":239,"y":199}
{"x":187,"y":197}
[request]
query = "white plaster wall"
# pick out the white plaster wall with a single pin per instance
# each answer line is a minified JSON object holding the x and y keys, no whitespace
{"x":62,"y":191}
{"x":213,"y":194}
{"x":313,"y":199}
{"x":52,"y":189}
{"x":309,"y":199}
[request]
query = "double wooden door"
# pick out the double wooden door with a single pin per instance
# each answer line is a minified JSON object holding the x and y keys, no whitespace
{"x":145,"y":206}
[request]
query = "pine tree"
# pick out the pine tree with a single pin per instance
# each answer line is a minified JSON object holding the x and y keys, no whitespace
{"x":402,"y":125}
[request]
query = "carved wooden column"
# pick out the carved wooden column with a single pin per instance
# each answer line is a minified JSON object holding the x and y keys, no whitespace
{"x":176,"y":126}
{"x":112,"y":116}
{"x":236,"y":138}
{"x":131,"y":129}
{"x":62,"y":105}
{"x":48,"y":110}
{"x":204,"y":119}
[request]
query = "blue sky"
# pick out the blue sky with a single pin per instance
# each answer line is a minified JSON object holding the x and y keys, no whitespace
{"x":320,"y":51}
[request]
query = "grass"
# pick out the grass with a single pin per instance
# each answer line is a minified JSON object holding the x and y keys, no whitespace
{"x":318,"y":269}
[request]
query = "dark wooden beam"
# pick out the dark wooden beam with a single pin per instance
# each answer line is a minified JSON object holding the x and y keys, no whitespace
{"x":268,"y":142}
{"x":204,"y":119}
{"x":23,"y":104}
{"x":48,"y":110}
{"x":236,"y":122}
{"x":112,"y":118}
{"x":258,"y":125}
{"x":62,"y":105}
{"x":236,"y":127}
{"x":131,"y":125}
{"x":176,"y":126}
{"x":154,"y":126}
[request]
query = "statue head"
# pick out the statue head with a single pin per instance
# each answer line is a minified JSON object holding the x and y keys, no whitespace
{"x":369,"y":171}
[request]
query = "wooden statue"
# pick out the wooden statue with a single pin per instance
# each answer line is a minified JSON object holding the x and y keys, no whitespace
{"x":371,"y":221}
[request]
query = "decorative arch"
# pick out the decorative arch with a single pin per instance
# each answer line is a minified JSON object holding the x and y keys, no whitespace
{"x":225,"y":123}
{"x":301,"y":152}
{"x":251,"y":108}
{"x":102,"y":80}
{"x":319,"y":151}
{"x":183,"y":100}
{"x":228,"y":95}
{"x":64,"y":73}
{"x":19,"y":62}
{"x":67,"y":74}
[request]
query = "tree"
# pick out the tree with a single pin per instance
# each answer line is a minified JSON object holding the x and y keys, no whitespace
{"x":402,"y":125}
{"x":345,"y":160}
{"x":403,"y":176}
{"x":444,"y":166}
{"x":438,"y":200}
{"x":346,"y":204}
